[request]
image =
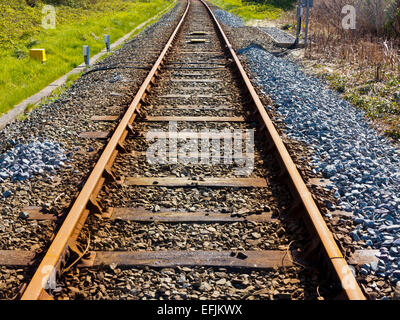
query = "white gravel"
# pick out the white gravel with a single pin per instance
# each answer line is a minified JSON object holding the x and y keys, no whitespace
{"x":362,"y":164}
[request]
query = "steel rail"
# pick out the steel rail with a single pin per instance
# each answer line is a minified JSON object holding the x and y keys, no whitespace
{"x":48,"y":266}
{"x":78,"y":213}
{"x":342,"y":269}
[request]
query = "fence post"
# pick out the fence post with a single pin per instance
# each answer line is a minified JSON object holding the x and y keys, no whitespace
{"x":107,"y":42}
{"x":299,"y":14}
{"x":307,"y":17}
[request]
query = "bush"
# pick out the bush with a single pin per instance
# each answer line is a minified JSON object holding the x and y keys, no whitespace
{"x":376,"y":15}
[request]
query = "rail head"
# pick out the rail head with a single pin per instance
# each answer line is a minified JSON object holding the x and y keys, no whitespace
{"x":48,"y":266}
{"x":342,"y":269}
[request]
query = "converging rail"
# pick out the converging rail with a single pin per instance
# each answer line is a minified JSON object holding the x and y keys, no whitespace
{"x":64,"y":245}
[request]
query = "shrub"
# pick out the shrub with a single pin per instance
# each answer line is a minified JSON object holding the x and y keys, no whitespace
{"x":375,"y":15}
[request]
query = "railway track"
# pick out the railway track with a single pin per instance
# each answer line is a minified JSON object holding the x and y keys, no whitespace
{"x":192,"y":187}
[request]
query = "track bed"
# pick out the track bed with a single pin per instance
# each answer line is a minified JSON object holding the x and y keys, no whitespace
{"x":187,"y":200}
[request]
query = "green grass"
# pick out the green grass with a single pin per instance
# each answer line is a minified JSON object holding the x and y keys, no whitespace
{"x":249,"y":10}
{"x":379,"y":99}
{"x":20,"y":77}
{"x":52,"y":97}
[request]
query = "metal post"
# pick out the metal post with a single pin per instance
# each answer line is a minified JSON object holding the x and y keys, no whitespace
{"x":86,"y":55}
{"x":307,"y":17}
{"x":299,"y":14}
{"x":107,"y":42}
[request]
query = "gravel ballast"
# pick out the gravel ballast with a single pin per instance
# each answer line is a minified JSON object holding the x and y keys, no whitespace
{"x":43,"y":160}
{"x":183,"y":283}
{"x":278,"y":35}
{"x":44,"y":163}
{"x":229,"y":18}
{"x":361,"y":164}
{"x":100,"y":233}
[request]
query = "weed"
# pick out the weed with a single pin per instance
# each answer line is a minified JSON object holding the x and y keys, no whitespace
{"x":20,"y":23}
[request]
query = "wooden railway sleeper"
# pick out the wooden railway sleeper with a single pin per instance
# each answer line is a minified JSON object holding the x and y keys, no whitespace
{"x":123,"y":131}
{"x":85,"y":202}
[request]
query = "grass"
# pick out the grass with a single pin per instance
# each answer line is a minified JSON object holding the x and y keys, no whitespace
{"x":249,"y":10}
{"x":52,"y":97}
{"x":363,"y":64}
{"x":364,"y":68}
{"x":380,"y":99}
{"x":20,"y":77}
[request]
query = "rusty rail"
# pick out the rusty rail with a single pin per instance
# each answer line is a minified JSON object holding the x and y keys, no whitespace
{"x":35,"y":289}
{"x":86,"y":200}
{"x":343,"y":272}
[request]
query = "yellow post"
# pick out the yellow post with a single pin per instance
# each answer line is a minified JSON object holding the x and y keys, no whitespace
{"x":38,"y":54}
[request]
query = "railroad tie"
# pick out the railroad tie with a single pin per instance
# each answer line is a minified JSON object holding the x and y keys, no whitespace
{"x":192,"y":119}
{"x":186,"y":182}
{"x":257,"y":259}
{"x":104,"y":118}
{"x":140,"y":214}
{"x":186,"y":73}
{"x":192,"y":107}
{"x":94,"y":134}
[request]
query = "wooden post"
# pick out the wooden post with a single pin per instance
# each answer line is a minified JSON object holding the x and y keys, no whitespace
{"x":299,"y":14}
